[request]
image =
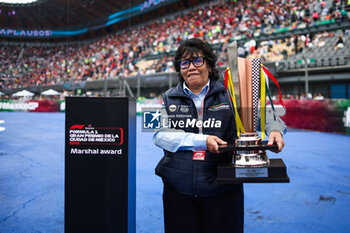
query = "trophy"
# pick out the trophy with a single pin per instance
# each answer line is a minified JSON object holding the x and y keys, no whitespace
{"x":244,"y":82}
{"x":251,"y":157}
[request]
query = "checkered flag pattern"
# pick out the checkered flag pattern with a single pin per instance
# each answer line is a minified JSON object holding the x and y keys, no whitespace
{"x":255,"y":81}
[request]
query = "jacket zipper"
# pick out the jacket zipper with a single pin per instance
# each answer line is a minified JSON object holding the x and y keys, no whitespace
{"x":194,"y":162}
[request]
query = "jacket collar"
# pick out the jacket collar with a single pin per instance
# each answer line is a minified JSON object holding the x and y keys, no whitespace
{"x":214,"y":86}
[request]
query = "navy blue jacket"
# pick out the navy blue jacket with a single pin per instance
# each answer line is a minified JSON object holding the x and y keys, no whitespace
{"x":193,"y":177}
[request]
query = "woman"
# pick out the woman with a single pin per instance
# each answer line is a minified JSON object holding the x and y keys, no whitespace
{"x":193,"y":201}
{"x":339,"y":43}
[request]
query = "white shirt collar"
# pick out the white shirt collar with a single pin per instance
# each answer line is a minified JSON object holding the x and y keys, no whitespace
{"x":188,"y":91}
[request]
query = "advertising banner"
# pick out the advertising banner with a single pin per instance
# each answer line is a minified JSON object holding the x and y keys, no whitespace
{"x":321,"y":115}
{"x":29,"y":106}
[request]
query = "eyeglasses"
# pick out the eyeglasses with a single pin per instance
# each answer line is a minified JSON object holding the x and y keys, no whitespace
{"x":196,"y":61}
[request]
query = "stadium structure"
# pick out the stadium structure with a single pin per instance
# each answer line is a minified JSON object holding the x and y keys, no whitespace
{"x":125,"y":48}
{"x":51,"y":49}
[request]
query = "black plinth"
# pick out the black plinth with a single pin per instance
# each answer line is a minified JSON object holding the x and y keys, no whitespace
{"x":276,"y":172}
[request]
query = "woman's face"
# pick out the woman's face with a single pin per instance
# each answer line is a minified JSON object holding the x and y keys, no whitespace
{"x":195,"y":77}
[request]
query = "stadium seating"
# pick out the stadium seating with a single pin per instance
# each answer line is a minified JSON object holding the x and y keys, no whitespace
{"x":126,"y":52}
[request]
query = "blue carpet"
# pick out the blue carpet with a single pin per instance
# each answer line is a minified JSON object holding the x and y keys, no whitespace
{"x":32,"y":181}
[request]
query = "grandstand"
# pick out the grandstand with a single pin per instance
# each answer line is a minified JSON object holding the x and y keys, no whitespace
{"x":132,"y":55}
{"x":100,"y":48}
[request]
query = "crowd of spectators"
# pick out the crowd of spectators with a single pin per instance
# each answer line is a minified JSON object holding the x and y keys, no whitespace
{"x":124,"y":52}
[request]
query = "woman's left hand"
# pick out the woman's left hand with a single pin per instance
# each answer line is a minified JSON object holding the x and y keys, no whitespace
{"x":276,"y":137}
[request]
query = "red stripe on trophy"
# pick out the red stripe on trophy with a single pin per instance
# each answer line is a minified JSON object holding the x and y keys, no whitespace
{"x":275,"y":81}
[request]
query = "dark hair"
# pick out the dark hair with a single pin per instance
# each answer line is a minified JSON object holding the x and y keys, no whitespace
{"x":192,"y":47}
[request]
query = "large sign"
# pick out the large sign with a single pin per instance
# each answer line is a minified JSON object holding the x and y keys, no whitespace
{"x":100,"y":177}
{"x":25,"y":33}
{"x":116,"y":17}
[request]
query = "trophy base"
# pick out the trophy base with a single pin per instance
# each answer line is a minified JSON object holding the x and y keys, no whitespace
{"x":275,"y":172}
{"x":251,"y":160}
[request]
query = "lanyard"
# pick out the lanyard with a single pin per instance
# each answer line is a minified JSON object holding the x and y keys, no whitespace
{"x":200,"y":112}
